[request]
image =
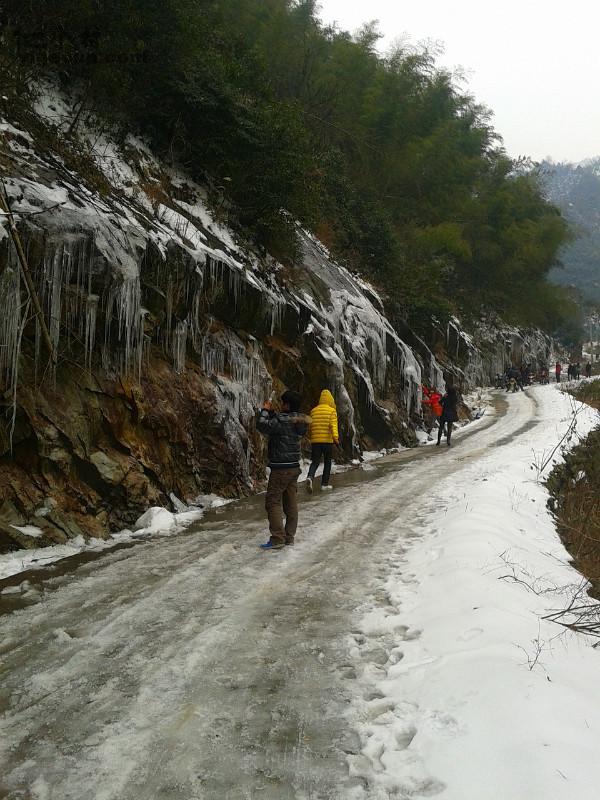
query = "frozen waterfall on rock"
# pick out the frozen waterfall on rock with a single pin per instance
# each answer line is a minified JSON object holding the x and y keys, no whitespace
{"x":126,"y":281}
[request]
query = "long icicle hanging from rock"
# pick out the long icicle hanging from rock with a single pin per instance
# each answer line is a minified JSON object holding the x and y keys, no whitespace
{"x":16,"y":239}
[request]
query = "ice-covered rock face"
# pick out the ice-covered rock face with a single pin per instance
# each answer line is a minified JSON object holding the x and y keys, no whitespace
{"x":94,"y":264}
{"x":493,"y":348}
{"x":170,"y":332}
{"x":131,"y":269}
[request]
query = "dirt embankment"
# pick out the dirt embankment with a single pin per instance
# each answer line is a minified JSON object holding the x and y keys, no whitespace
{"x":575,"y":497}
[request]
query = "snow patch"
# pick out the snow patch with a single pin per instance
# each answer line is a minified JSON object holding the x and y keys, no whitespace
{"x":154,"y":520}
{"x":471,"y":677}
{"x":29,"y":530}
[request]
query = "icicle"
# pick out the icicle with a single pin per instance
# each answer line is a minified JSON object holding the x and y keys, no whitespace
{"x":123,"y":301}
{"x":212,"y":357}
{"x":57,"y":273}
{"x":215,"y":273}
{"x":15,"y":385}
{"x":169,"y":310}
{"x":194,"y":319}
{"x":378,"y":354}
{"x":91,"y":314}
{"x":235,"y":286}
{"x":10,"y":325}
{"x":180,"y":345}
{"x":223,"y":354}
{"x":275,"y":309}
{"x":37,"y":348}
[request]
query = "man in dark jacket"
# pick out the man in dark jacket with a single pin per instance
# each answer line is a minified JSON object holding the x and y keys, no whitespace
{"x":449,"y":403}
{"x":285,"y":430}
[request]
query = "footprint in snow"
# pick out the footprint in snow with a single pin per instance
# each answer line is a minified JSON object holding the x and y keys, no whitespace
{"x":374,"y":695}
{"x":410,"y":635}
{"x":377,"y":708}
{"x":376,"y":655}
{"x":395,"y":656}
{"x":444,"y":722}
{"x":472,"y":633}
{"x":428,"y":788}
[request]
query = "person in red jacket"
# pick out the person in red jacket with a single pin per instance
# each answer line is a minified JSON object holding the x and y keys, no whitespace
{"x":431,"y":400}
{"x":558,"y":371}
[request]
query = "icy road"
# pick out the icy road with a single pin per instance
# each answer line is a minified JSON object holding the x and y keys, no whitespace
{"x":197,"y":667}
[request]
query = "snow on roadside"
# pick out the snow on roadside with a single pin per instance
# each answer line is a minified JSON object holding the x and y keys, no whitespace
{"x":467,"y":693}
{"x":20,"y":560}
{"x":155,"y":521}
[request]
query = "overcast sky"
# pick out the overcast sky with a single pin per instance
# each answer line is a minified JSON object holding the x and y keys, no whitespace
{"x":534,"y":63}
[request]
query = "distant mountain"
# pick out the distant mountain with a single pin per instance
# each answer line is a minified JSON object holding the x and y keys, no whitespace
{"x":575,"y":189}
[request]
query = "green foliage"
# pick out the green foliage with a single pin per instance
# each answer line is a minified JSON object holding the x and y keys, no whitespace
{"x":385,"y":157}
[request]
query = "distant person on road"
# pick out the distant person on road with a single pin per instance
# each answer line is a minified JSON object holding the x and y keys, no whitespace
{"x":284,"y":430}
{"x":588,"y":370}
{"x":323,"y":435}
{"x":558,"y":371}
{"x":449,"y":403}
{"x":514,"y":373}
{"x":577,"y":371}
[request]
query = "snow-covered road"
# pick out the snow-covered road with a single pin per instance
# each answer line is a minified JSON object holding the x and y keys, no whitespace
{"x":198,"y":667}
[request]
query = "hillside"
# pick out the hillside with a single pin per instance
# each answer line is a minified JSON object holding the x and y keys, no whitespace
{"x":387,"y":159}
{"x":575,"y":189}
{"x":217,"y":201}
{"x":236,"y":242}
{"x":169,"y":329}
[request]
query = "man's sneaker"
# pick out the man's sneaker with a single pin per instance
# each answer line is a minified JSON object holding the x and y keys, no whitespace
{"x":309,"y":486}
{"x":270,"y":546}
{"x":290,"y":544}
{"x":326,"y":488}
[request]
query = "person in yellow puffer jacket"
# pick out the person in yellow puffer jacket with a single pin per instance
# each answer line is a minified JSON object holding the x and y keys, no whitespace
{"x":323,"y":434}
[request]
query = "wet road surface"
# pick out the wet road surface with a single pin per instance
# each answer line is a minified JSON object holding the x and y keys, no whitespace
{"x":198,"y":667}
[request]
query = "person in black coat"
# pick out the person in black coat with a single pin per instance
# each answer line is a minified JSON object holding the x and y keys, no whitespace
{"x":449,"y":403}
{"x":284,"y":430}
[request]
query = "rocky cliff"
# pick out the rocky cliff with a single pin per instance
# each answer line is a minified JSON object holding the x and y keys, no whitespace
{"x":168,"y":331}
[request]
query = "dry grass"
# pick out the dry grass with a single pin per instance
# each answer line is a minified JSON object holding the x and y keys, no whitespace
{"x":588,"y":392}
{"x":575,"y":497}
